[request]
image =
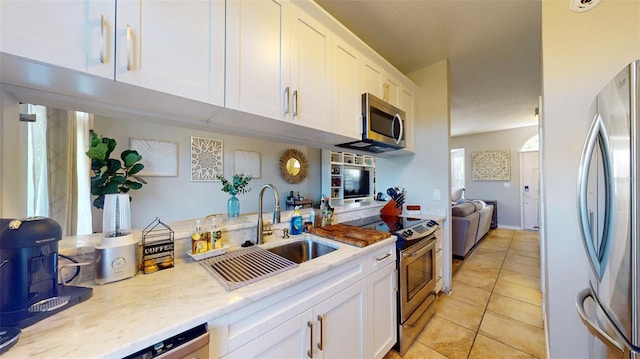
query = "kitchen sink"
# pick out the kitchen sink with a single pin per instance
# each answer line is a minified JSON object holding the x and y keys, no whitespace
{"x":302,"y":251}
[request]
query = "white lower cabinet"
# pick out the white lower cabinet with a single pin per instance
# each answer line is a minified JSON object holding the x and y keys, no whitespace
{"x":351,"y":314}
{"x":382,"y":311}
{"x":291,"y":339}
{"x":340,"y":325}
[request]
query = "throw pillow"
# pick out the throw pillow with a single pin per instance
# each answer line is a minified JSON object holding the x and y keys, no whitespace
{"x":462,"y":210}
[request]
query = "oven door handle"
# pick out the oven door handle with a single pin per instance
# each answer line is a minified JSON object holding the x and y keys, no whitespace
{"x":432,"y":294}
{"x":420,"y":251}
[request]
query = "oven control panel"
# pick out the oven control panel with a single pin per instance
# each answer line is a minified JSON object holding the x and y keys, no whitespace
{"x":418,"y":230}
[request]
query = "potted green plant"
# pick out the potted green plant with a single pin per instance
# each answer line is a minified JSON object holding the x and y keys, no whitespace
{"x":238,"y":185}
{"x":112,"y":175}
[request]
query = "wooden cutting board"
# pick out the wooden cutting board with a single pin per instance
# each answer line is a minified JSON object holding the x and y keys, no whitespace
{"x":352,"y":235}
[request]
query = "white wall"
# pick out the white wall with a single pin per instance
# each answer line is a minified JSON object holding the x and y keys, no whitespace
{"x":508,"y":197}
{"x":176,"y":198}
{"x":581,"y":52}
{"x":429,"y":169}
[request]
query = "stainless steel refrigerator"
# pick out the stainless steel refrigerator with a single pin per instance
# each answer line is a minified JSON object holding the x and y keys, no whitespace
{"x":608,"y":217}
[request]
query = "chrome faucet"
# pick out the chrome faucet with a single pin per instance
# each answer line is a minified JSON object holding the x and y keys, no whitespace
{"x":276,"y":211}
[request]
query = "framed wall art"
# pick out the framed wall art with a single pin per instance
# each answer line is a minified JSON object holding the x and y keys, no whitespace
{"x":491,"y":165}
{"x":160,"y":158}
{"x":247,"y":163}
{"x":207,"y":159}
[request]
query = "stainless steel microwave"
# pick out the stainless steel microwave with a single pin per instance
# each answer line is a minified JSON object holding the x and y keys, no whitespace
{"x":383,"y":126}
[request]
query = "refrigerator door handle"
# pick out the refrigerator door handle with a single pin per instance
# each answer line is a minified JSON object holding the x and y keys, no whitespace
{"x":598,"y":256}
{"x":626,"y":346}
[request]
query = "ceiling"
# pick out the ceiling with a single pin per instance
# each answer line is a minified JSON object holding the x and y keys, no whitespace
{"x":493,"y":48}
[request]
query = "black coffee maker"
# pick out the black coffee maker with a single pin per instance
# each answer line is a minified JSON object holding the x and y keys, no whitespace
{"x":29,"y":289}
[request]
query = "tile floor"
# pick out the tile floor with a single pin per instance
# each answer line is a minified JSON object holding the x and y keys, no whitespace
{"x":494,"y":310}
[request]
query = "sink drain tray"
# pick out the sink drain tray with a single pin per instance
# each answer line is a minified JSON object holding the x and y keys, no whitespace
{"x":245,"y":266}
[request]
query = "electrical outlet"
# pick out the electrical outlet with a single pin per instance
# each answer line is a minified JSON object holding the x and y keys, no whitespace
{"x":507,"y":184}
{"x":436,"y":194}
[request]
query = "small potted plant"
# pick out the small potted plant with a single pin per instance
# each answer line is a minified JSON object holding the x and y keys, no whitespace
{"x":238,"y":185}
{"x":110,"y":175}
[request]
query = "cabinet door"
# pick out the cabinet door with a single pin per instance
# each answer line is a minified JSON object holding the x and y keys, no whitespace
{"x":310,"y":71}
{"x":347,"y":99}
{"x":257,"y":62}
{"x":342,"y":323}
{"x":371,"y":78}
{"x":406,"y":104}
{"x":72,"y":34}
{"x":292,"y":339}
{"x":383,"y":310}
{"x":176,"y":47}
{"x":391,"y":91}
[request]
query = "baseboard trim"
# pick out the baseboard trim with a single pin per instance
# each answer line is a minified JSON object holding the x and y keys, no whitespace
{"x":510,"y":227}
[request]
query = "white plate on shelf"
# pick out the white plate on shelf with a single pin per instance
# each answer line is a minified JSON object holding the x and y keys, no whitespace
{"x":208,"y":254}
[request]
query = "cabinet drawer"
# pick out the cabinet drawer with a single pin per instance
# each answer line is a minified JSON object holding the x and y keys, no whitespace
{"x":381,"y":258}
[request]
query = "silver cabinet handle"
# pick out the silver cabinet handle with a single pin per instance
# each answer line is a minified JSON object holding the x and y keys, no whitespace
{"x":129,"y":47}
{"x":102,"y":39}
{"x":295,"y":103}
{"x":383,"y":257}
{"x":310,"y":351}
{"x":286,"y":100}
{"x":320,"y":342}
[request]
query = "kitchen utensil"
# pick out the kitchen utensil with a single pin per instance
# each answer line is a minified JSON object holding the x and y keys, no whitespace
{"x":391,"y":192}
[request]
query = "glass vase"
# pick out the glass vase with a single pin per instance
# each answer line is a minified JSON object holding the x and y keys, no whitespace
{"x":233,"y":207}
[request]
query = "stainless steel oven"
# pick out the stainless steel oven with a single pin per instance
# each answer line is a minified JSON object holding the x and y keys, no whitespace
{"x":416,"y":266}
{"x":416,"y":292}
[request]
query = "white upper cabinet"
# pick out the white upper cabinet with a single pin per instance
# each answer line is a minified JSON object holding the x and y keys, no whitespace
{"x":405,"y":102}
{"x":176,"y":47}
{"x":391,"y":91}
{"x":71,"y":34}
{"x":347,"y":100}
{"x":371,"y":78}
{"x":310,"y":70}
{"x":257,"y":62}
{"x":277,"y":62}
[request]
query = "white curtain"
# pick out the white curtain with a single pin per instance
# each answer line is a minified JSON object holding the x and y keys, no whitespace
{"x":37,"y":183}
{"x":58,"y":175}
{"x":84,"y":122}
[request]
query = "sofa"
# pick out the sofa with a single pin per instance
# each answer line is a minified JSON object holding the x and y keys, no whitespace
{"x":470,"y":222}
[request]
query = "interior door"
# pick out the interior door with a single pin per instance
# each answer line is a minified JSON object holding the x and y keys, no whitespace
{"x":530,"y":190}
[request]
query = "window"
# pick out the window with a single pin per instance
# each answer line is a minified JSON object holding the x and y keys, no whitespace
{"x":532,"y":144}
{"x":58,"y":170}
{"x":457,"y":174}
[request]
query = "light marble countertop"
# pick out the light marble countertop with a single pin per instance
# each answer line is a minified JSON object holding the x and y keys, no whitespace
{"x":124,"y":317}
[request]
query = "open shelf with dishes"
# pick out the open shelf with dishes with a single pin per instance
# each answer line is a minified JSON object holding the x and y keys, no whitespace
{"x":348,"y":177}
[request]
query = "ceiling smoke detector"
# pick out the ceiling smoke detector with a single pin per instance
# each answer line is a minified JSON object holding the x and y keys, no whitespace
{"x":583,"y":5}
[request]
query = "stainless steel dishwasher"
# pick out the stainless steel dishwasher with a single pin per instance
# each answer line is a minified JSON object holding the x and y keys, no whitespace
{"x":191,"y":344}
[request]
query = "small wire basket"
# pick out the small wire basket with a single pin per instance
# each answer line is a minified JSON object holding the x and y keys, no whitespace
{"x":157,"y":247}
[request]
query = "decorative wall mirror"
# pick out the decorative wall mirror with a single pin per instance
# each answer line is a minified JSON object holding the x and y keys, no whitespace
{"x":293,"y":166}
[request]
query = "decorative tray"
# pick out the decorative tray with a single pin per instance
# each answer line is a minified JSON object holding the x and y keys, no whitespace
{"x":208,"y":254}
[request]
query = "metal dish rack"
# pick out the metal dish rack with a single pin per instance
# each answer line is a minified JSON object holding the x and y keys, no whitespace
{"x":245,"y":266}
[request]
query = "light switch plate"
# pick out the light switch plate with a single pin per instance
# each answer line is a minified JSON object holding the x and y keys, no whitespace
{"x":436,"y":194}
